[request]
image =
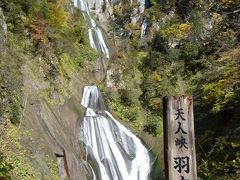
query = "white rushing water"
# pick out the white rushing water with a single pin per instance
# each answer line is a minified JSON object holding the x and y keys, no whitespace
{"x":96,"y":39}
{"x":143,"y":28}
{"x":116,"y":152}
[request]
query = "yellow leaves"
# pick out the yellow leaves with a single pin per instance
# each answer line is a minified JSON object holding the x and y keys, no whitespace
{"x":172,"y":31}
{"x":228,"y":3}
{"x":57,"y":16}
{"x":116,"y":10}
{"x":155,"y":103}
{"x":157,"y":76}
{"x":51,"y":14}
{"x":217,"y":17}
{"x":229,"y":64}
{"x":154,"y":19}
{"x":218,"y":93}
{"x":135,"y":30}
{"x":24,"y":19}
{"x":222,"y":92}
{"x":184,"y":28}
{"x":177,"y":31}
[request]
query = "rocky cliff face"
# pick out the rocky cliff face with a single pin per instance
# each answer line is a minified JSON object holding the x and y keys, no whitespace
{"x":3,"y":31}
{"x":135,"y":56}
{"x":50,"y":108}
{"x":55,"y":122}
{"x":104,"y":10}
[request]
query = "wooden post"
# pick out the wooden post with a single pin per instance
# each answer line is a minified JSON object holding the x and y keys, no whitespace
{"x":179,"y":138}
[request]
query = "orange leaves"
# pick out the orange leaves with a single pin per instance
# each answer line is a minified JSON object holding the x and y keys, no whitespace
{"x":53,"y":15}
{"x":38,"y":29}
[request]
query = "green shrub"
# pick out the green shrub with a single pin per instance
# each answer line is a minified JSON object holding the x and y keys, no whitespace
{"x":5,"y":168}
{"x":15,"y":112}
{"x":154,"y":124}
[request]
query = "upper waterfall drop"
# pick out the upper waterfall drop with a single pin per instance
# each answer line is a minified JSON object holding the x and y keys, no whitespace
{"x":143,"y":28}
{"x":96,"y":39}
{"x":116,"y":152}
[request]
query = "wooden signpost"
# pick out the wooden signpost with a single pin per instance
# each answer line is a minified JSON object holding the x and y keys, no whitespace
{"x":179,"y":138}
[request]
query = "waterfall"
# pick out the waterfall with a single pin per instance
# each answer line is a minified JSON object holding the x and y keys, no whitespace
{"x":95,"y":34}
{"x":116,"y":152}
{"x":143,"y":28}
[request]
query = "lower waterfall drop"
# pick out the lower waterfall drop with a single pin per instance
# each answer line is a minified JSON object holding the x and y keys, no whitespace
{"x":116,"y":152}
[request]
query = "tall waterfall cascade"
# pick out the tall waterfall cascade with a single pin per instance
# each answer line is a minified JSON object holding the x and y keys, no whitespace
{"x":96,"y":38}
{"x":143,"y":28}
{"x":116,"y":152}
{"x":95,"y":34}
